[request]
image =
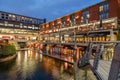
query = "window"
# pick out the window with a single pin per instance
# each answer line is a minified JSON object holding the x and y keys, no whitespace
{"x":63,"y":20}
{"x":2,"y":16}
{"x":21,"y":25}
{"x":35,"y":21}
{"x":85,"y":16}
{"x":6,"y":23}
{"x":17,"y":26}
{"x":72,"y":17}
{"x":42,"y":21}
{"x":13,"y":17}
{"x":17,"y":18}
{"x":55,"y":23}
{"x":103,"y":10}
{"x":6,"y":16}
{"x":30,"y":27}
{"x":36,"y":28}
{"x":22,"y":19}
{"x":10,"y":16}
{"x":25,"y":26}
{"x":11,"y":25}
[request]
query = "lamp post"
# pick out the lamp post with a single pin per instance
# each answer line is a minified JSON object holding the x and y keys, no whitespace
{"x":87,"y":21}
{"x":75,"y":46}
{"x":60,"y":39}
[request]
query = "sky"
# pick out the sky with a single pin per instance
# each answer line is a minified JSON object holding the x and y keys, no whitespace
{"x":49,"y":9}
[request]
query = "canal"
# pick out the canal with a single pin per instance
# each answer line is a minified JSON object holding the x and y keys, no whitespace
{"x":31,"y":65}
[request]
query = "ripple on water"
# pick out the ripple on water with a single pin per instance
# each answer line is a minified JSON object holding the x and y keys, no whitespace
{"x":29,"y":65}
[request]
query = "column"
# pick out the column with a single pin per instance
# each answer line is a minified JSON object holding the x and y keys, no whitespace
{"x":111,"y":35}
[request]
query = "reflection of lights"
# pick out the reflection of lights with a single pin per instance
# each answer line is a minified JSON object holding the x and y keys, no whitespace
{"x":29,"y":53}
{"x":66,"y":65}
{"x":40,"y":57}
{"x":19,"y":56}
{"x":36,"y":56}
{"x":66,"y":35}
{"x":25,"y":56}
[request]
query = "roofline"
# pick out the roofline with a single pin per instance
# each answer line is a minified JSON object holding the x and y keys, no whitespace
{"x":21,"y":15}
{"x":75,"y":11}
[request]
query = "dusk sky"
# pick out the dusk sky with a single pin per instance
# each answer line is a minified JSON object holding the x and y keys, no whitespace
{"x":49,"y":9}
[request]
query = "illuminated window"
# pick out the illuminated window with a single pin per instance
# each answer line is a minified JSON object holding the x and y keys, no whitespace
{"x":55,"y":24}
{"x":10,"y":25}
{"x":101,"y":8}
{"x":25,"y":26}
{"x":13,"y":17}
{"x":21,"y":25}
{"x":6,"y":23}
{"x":18,"y":18}
{"x":17,"y":26}
{"x":0,"y":15}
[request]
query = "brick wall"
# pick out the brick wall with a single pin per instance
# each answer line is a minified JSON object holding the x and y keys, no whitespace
{"x":113,"y":8}
{"x":94,"y":13}
{"x":119,"y":9}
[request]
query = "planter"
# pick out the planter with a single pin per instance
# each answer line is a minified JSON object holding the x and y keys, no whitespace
{"x":8,"y":58}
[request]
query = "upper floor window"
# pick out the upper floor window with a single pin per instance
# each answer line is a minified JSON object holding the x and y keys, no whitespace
{"x":0,"y":15}
{"x":72,"y":17}
{"x":55,"y":23}
{"x":3,"y":16}
{"x":6,"y":16}
{"x":103,"y":10}
{"x":85,"y":16}
{"x":63,"y":20}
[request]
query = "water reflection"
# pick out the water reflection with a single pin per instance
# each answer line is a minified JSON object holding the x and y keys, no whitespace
{"x":31,"y":65}
{"x":41,"y":57}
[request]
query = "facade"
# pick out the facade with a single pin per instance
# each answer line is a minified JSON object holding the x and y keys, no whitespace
{"x":18,"y":26}
{"x":97,"y":23}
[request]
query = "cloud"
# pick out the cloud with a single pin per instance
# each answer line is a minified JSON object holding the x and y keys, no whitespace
{"x":49,"y":9}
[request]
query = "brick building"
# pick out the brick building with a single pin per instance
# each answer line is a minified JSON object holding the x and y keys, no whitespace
{"x":87,"y":19}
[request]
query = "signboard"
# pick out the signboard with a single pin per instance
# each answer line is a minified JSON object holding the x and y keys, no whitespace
{"x":6,"y":37}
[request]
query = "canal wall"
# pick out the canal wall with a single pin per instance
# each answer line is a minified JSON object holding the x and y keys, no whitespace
{"x":8,"y":58}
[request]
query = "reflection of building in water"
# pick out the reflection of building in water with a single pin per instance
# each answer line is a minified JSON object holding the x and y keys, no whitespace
{"x":36,"y":55}
{"x":26,"y":56}
{"x":41,"y":57}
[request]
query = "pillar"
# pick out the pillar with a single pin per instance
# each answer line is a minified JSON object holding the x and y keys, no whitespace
{"x":111,"y":35}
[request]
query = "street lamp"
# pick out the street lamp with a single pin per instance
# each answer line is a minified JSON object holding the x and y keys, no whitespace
{"x":75,"y":46}
{"x":60,"y":37}
{"x":87,"y":20}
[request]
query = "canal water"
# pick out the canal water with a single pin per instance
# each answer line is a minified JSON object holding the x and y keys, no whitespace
{"x":31,"y":65}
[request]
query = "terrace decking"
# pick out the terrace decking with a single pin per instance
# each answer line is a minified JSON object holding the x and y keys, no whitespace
{"x":103,"y":68}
